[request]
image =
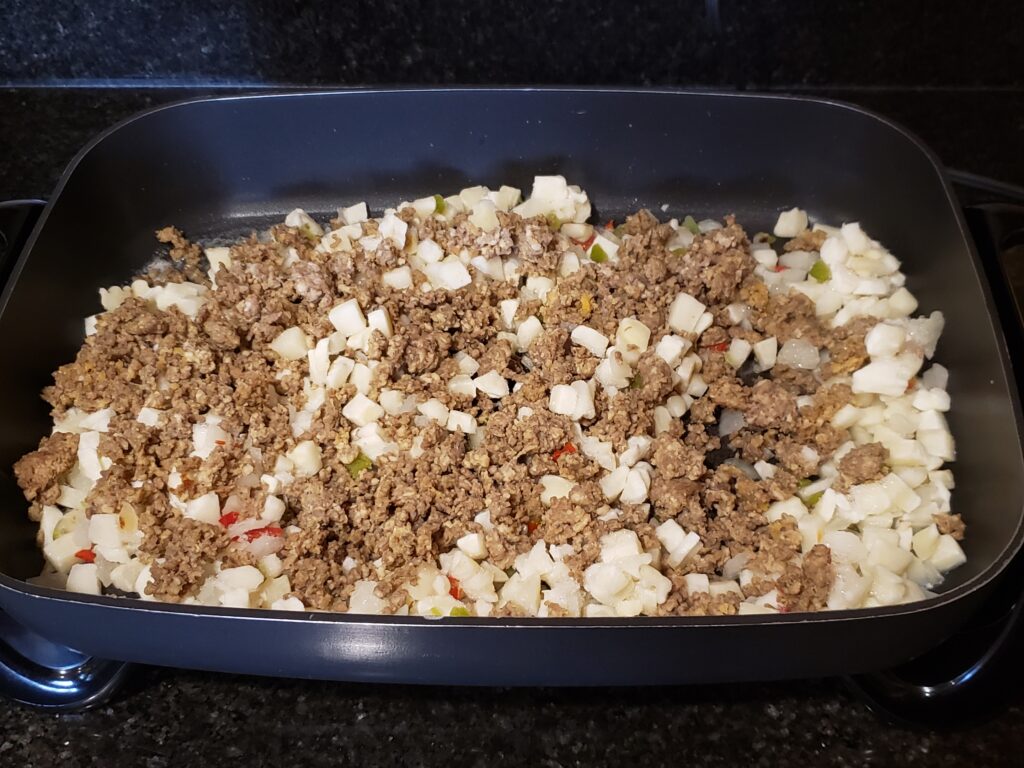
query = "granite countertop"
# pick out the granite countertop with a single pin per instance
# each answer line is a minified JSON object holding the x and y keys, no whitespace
{"x":171,"y":717}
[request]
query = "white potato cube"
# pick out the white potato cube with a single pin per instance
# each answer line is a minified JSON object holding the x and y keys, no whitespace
{"x":636,"y":487}
{"x":738,"y":352}
{"x":765,"y":352}
{"x":306,"y":458}
{"x":632,"y":336}
{"x":889,"y":556}
{"x":613,"y":483}
{"x":364,"y":600}
{"x":671,"y":535}
{"x":125,"y":575}
{"x":554,"y":487}
{"x":429,"y":251}
{"x":925,"y":541}
{"x":347,"y":317}
{"x":685,"y":313}
{"x":492,"y":384}
{"x":884,"y":340}
{"x":595,"y":342}
{"x":791,"y":506}
{"x":637,"y":448}
{"x":719,"y":588}
{"x":937,"y":442}
{"x":854,"y":237}
{"x":424,"y":206}
{"x":508,"y":309}
{"x":473,"y":545}
{"x":379,"y":320}
{"x":505,"y":198}
{"x":585,"y":408}
{"x":460,"y":420}
{"x":484,"y":216}
{"x":524,"y":592}
{"x":291,"y":344}
{"x":392,"y":401}
{"x":361,"y":410}
{"x":148,"y":416}
{"x":467,"y":364}
{"x":245,"y":577}
{"x":677,"y":406}
{"x":491,"y":268}
{"x":662,"y":420}
{"x":600,"y":451}
{"x":205,"y":509}
{"x":470,"y":196}
{"x":449,"y":275}
{"x":528,"y":331}
{"x":948,"y":554}
{"x":696,"y":583}
{"x":683,"y":550}
{"x":371,"y":442}
{"x":563,"y":399}
{"x":902,"y":302}
{"x":613,"y":371}
{"x":434,"y":410}
{"x":606,"y":582}
{"x":399,"y":278}
{"x":887,"y":376}
{"x":299,"y":219}
{"x":84,"y":579}
{"x":394,"y":229}
{"x":790,"y":223}
{"x":671,"y":349}
{"x":697,"y":387}
{"x":354,"y":214}
{"x":273,"y":509}
{"x":569,"y":264}
{"x":60,"y":553}
{"x":930,"y":400}
{"x":339,"y":372}
{"x":460,"y":386}
{"x":105,"y":530}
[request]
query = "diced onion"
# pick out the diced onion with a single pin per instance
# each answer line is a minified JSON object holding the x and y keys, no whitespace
{"x":730,"y":421}
{"x":798,"y":353}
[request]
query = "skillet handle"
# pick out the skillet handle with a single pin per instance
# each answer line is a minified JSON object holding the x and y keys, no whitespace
{"x":967,"y":695}
{"x":37,"y":673}
{"x":17,"y":217}
{"x":977,"y":667}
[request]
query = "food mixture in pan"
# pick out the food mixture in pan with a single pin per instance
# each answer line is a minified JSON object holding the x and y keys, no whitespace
{"x":477,"y":406}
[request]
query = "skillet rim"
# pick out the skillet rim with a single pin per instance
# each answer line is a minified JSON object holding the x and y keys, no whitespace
{"x":957,"y":594}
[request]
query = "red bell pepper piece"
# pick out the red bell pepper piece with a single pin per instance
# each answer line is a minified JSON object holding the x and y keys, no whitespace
{"x":559,"y":452}
{"x":456,"y":590}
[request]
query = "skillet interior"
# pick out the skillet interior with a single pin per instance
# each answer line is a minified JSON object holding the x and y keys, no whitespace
{"x":220,"y":168}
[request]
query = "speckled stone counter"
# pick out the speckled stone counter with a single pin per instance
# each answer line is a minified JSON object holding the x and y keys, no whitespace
{"x":176,"y":718}
{"x":173,"y":718}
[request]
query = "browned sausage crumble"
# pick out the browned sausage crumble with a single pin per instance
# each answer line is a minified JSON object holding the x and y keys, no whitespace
{"x":480,"y":411}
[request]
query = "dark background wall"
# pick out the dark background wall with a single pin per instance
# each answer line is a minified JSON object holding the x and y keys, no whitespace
{"x":951,"y":70}
{"x":792,"y":44}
